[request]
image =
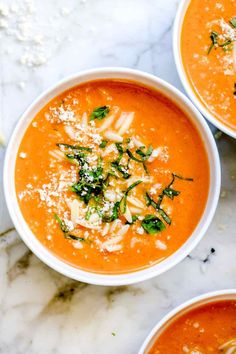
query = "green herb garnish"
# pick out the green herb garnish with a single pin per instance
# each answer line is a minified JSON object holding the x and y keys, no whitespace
{"x":114,"y":215}
{"x":116,"y":164}
{"x":171,"y":193}
{"x":78,"y":158}
{"x":124,"y":199}
{"x":122,"y":169}
{"x":100,"y":112}
{"x":168,"y":192}
{"x":103,"y":144}
{"x":225,"y":45}
{"x":174,"y":176}
{"x":233,"y":22}
{"x":90,"y":183}
{"x":134,"y":218}
{"x":157,"y":206}
{"x":145,"y":154}
{"x":214,"y":36}
{"x":214,"y":40}
{"x":74,"y":147}
{"x":152,"y":224}
{"x":65,"y":230}
{"x":143,"y":158}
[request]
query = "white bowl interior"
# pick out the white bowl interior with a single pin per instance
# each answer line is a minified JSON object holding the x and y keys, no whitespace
{"x":44,"y":254}
{"x":177,"y":30}
{"x":181,"y":310}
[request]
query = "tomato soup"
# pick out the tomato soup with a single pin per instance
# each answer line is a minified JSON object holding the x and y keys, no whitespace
{"x":209,"y":56}
{"x":112,"y":177}
{"x":208,"y":329}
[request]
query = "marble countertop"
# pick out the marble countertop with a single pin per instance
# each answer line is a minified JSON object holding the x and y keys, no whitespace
{"x":40,"y":310}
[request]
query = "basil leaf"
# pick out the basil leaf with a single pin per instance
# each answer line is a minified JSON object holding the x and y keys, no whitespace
{"x":124,"y":199}
{"x":171,"y":193}
{"x":233,"y":22}
{"x":143,"y":154}
{"x":61,"y":223}
{"x":73,"y":147}
{"x":100,"y":112}
{"x":115,"y":213}
{"x":142,"y":160}
{"x":133,"y":157}
{"x":103,"y":144}
{"x":181,"y":177}
{"x":152,"y":224}
{"x":214,"y":37}
{"x":134,"y":218}
{"x":164,"y":216}
{"x":122,"y":169}
{"x":73,"y":237}
{"x":65,"y":230}
{"x":77,"y":157}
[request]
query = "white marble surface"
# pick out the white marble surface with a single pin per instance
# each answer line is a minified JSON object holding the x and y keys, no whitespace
{"x":40,"y":310}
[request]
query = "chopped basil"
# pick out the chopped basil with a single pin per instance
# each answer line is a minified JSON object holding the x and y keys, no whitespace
{"x":214,"y":40}
{"x":225,"y":45}
{"x":157,"y":206}
{"x":134,"y":218}
{"x":88,"y":213}
{"x":133,"y":157}
{"x":164,"y":216}
{"x":114,"y":215}
{"x":116,"y":164}
{"x":74,"y":147}
{"x":122,"y":169}
{"x":62,"y":224}
{"x":233,"y":22}
{"x":103,"y":144}
{"x":73,"y":237}
{"x":124,"y":199}
{"x":90,"y":183}
{"x":100,"y":112}
{"x":65,"y":230}
{"x":152,"y":224}
{"x":174,"y":175}
{"x":171,"y":193}
{"x":79,"y":158}
{"x":143,"y":154}
{"x":142,"y":160}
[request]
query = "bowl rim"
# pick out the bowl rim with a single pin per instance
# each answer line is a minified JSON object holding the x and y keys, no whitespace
{"x":195,"y":301}
{"x":124,"y":278}
{"x":176,"y":37}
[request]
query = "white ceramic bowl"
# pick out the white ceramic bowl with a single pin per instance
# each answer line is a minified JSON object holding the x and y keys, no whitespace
{"x":9,"y":184}
{"x":180,"y":310}
{"x":177,"y":30}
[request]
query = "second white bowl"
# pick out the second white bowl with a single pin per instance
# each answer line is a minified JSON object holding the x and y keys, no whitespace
{"x":177,"y":30}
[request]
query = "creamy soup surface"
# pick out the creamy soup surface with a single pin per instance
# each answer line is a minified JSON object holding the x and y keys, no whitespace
{"x":111,"y":176}
{"x":209,"y":55}
{"x":209,"y":329}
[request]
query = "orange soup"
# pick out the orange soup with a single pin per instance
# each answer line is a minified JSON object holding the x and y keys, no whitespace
{"x":209,"y":55}
{"x":208,"y":329}
{"x":111,"y":176}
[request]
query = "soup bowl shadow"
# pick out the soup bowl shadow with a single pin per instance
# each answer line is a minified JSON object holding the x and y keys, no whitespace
{"x":51,"y":259}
